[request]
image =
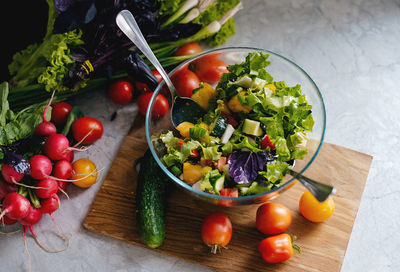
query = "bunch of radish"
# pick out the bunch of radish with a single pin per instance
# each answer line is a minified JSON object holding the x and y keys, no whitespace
{"x":26,"y":196}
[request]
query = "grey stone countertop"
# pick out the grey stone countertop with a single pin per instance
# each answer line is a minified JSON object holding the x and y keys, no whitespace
{"x":351,"y":49}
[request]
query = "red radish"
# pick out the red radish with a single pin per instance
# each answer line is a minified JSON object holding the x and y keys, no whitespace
{"x":50,"y":205}
{"x":33,"y":216}
{"x":6,"y":188}
{"x":10,"y":174}
{"x":3,"y":189}
{"x":45,"y":128}
{"x":62,"y":169}
{"x":40,"y":167}
{"x":62,"y":186}
{"x":69,"y":156}
{"x":56,"y":147}
{"x":15,"y":206}
{"x":48,"y":187}
{"x":8,"y":221}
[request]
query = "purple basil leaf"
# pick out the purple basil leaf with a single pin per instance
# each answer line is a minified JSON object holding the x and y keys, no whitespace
{"x":76,"y":15}
{"x":16,"y":161}
{"x":137,"y":68}
{"x":245,"y":165}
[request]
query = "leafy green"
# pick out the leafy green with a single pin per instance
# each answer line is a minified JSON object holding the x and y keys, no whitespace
{"x":22,"y":124}
{"x":215,"y":13}
{"x":275,"y":171}
{"x":169,"y":7}
{"x":74,"y":114}
{"x":46,"y":63}
{"x":254,"y":188}
{"x":211,"y":153}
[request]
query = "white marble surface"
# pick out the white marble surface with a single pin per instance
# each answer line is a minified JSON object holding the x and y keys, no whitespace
{"x":351,"y":50}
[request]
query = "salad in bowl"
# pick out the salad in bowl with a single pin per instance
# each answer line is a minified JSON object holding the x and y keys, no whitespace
{"x":254,"y":128}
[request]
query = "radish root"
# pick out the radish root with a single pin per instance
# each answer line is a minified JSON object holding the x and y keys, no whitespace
{"x":27,"y":251}
{"x":63,"y":236}
{"x":64,"y":192}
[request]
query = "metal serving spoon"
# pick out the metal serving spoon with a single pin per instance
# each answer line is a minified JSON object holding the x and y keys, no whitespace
{"x":319,"y":190}
{"x":183,"y":108}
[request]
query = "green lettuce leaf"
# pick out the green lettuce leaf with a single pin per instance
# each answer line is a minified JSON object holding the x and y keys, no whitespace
{"x":276,"y":171}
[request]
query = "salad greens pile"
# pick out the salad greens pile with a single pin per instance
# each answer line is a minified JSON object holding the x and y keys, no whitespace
{"x":253,"y":131}
{"x":83,"y":47}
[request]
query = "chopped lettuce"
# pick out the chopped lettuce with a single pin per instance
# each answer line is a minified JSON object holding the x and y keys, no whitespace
{"x":211,"y":153}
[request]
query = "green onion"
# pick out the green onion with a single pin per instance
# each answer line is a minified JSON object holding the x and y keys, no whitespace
{"x":176,"y":171}
{"x":197,"y":132}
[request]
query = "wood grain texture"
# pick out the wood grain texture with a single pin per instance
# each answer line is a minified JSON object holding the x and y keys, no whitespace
{"x":323,"y":245}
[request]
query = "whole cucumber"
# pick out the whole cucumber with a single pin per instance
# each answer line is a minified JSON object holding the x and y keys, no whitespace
{"x":151,"y":195}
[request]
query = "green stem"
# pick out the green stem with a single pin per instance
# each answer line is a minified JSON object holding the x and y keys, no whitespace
{"x":34,"y":199}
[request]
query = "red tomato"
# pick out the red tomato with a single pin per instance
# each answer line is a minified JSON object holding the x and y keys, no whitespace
{"x":120,"y":92}
{"x":216,"y":231}
{"x":188,"y":49}
{"x":185,"y":81}
{"x":276,"y":249}
{"x":210,"y":68}
{"x":143,"y":87}
{"x":87,"y":129}
{"x":273,"y":218}
{"x":59,"y":113}
{"x":231,"y":192}
{"x":160,"y":107}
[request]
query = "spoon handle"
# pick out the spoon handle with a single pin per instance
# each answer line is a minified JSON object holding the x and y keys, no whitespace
{"x":319,"y":190}
{"x":127,"y":23}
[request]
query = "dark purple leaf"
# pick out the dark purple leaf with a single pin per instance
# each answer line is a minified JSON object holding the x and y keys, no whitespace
{"x":245,"y":165}
{"x":16,"y":161}
{"x":75,"y":15}
{"x":137,"y":68}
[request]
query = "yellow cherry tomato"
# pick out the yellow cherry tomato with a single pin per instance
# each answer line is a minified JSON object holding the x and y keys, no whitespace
{"x":314,"y":210}
{"x":84,"y":173}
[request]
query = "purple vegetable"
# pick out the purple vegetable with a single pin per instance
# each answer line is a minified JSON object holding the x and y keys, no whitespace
{"x":245,"y":165}
{"x":73,"y":14}
{"x":16,"y":161}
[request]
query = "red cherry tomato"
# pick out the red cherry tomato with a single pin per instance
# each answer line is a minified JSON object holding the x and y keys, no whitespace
{"x":188,"y":49}
{"x":87,"y":129}
{"x":276,"y":249}
{"x":210,"y":68}
{"x":231,"y":192}
{"x":273,"y":218}
{"x":59,"y":113}
{"x":160,"y":107}
{"x":120,"y":92}
{"x":216,"y":231}
{"x":142,"y":87}
{"x":185,"y":81}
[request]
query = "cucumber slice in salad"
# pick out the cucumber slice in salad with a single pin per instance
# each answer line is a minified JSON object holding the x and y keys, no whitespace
{"x":252,"y":127}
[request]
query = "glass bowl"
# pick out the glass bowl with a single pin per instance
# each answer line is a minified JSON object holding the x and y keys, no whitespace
{"x":280,"y":68}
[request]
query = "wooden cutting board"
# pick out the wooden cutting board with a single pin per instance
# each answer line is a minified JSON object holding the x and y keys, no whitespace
{"x":323,"y":245}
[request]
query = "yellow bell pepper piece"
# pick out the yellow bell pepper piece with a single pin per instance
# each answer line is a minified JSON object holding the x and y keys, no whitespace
{"x":192,"y":172}
{"x":184,"y":129}
{"x":204,"y":94}
{"x":235,"y":105}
